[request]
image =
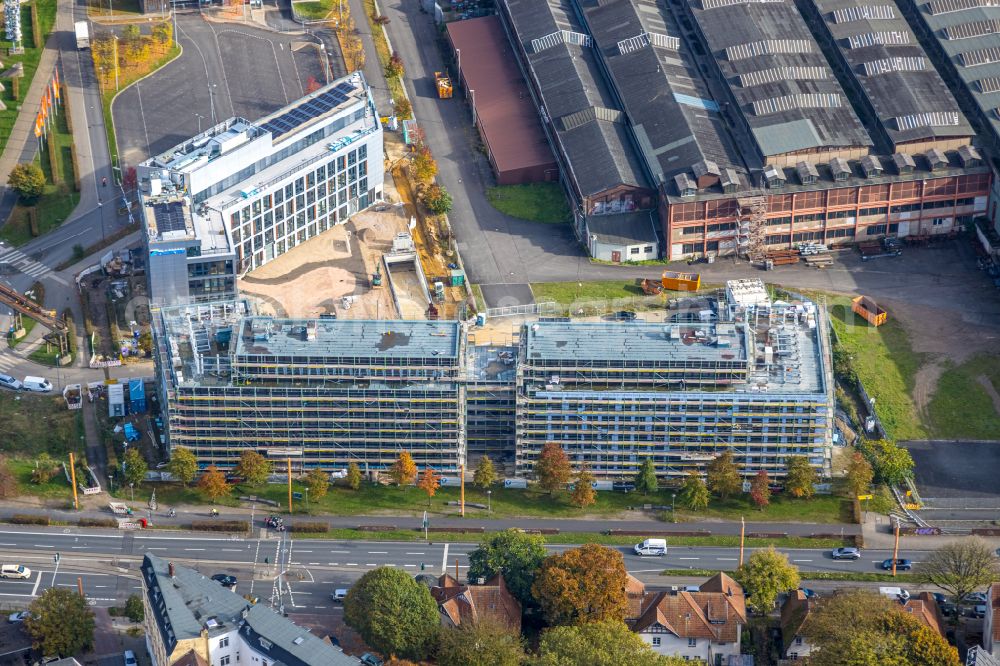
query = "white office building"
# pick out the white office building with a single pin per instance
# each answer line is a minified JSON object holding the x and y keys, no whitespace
{"x":243,"y":192}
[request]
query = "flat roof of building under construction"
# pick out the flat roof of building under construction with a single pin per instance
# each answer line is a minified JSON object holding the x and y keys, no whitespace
{"x":348,"y":338}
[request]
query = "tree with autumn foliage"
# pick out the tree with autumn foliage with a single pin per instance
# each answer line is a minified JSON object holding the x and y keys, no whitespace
{"x":694,"y":493}
{"x":859,"y":475}
{"x":580,"y":585}
{"x":404,"y":470}
{"x":552,"y":468}
{"x":584,"y":494}
{"x":429,"y":483}
{"x":213,"y":483}
{"x":766,"y":574}
{"x":422,"y":164}
{"x":485,"y":475}
{"x":800,"y":477}
{"x":312,"y":85}
{"x":254,"y":468}
{"x":760,"y":490}
{"x":724,"y":476}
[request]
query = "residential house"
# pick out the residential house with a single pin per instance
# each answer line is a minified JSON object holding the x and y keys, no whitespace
{"x":991,"y":623}
{"x":794,"y":620}
{"x":924,"y":608}
{"x":486,"y":601}
{"x":191,"y":620}
{"x":705,"y":624}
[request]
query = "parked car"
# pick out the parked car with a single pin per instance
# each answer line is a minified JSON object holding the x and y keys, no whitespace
{"x":810,"y":594}
{"x":14,"y":618}
{"x":979,"y":611}
{"x":130,"y":658}
{"x":901,"y":564}
{"x":339,"y":595}
{"x":9,"y":382}
{"x":225,"y":580}
{"x":975,"y":598}
{"x":624,"y":315}
{"x":846,"y":553}
{"x":368,"y":659}
{"x":15,"y":571}
{"x":939,"y":598}
{"x":37,"y":384}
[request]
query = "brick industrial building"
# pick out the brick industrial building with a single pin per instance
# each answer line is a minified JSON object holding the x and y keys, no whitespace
{"x":741,"y":127}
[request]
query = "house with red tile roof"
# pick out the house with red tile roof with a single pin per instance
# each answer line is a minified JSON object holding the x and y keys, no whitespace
{"x":489,"y":601}
{"x":794,"y":620}
{"x":703,"y":624}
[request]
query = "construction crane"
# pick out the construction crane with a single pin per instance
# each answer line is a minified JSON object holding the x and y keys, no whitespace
{"x":27,"y":307}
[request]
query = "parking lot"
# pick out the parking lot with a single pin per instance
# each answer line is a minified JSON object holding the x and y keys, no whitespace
{"x":946,"y":470}
{"x":225,"y":69}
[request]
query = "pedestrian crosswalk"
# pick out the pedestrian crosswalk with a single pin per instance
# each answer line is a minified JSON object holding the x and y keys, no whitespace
{"x":22,"y":263}
{"x":8,"y":359}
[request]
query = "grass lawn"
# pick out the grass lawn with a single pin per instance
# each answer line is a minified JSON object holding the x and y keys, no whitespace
{"x":960,"y":406}
{"x":29,"y":324}
{"x":118,"y":7}
{"x":599,"y":290}
{"x":538,"y":202}
{"x":56,"y":488}
{"x":29,"y":59}
{"x":313,"y":10}
{"x":47,"y":354}
{"x":886,"y":365}
{"x":783,"y":508}
{"x":30,"y":424}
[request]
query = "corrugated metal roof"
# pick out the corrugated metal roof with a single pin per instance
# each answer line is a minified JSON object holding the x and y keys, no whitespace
{"x":975,"y":61}
{"x":755,"y":37}
{"x":884,"y":58}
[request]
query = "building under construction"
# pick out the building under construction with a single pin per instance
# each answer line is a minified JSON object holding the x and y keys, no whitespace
{"x":323,"y":392}
{"x":738,"y":373}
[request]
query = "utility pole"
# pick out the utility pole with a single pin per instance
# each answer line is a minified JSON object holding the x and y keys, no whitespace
{"x":72,"y":475}
{"x":79,"y":586}
{"x":461,"y":477}
{"x":289,"y":486}
{"x":895,"y":549}
{"x":742,"y":534}
{"x":116,"y":61}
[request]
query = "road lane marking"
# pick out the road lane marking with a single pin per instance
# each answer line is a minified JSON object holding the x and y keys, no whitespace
{"x":314,"y":564}
{"x":415,"y":553}
{"x":801,"y":560}
{"x":688,"y":558}
{"x":409,"y":566}
{"x":340,"y":552}
{"x":726,"y":559}
{"x":444,"y":560}
{"x":38,"y":582}
{"x":37,"y":545}
{"x":371,"y":564}
{"x":194,"y":549}
{"x":352,"y":564}
{"x":157,"y":548}
{"x":378,"y":552}
{"x":8,"y":544}
{"x":304,"y":551}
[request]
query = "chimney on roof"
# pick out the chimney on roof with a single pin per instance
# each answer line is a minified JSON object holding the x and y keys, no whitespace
{"x":170,"y":569}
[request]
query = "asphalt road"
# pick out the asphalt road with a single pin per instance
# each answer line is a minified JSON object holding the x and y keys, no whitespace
{"x":305,"y":570}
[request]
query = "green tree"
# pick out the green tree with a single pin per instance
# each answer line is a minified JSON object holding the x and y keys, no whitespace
{"x":486,"y":474}
{"x":393,"y":613}
{"x":27,"y":180}
{"x":645,"y":479}
{"x":353,"y":476}
{"x":724,"y":476}
{"x":318,"y":483}
{"x":800,"y":477}
{"x":45,"y":468}
{"x":404,"y":470}
{"x":552,"y":468}
{"x":960,"y":567}
{"x":437,"y":199}
{"x":891,"y":464}
{"x":859,"y":475}
{"x":765,"y":575}
{"x":59,"y":622}
{"x":134,"y":609}
{"x":605,"y":643}
{"x":760,"y":490}
{"x":581,"y":585}
{"x":183,"y":465}
{"x":253,"y":468}
{"x":583,"y":494}
{"x":512,"y":553}
{"x":694,"y":493}
{"x":213,"y":483}
{"x":857,"y":627}
{"x":163,"y":33}
{"x":135,"y":467}
{"x":480,"y":644}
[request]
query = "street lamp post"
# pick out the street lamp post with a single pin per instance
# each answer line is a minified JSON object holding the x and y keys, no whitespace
{"x":307,"y":498}
{"x":489,"y":505}
{"x":131,"y":490}
{"x":673,"y":507}
{"x":200,"y":118}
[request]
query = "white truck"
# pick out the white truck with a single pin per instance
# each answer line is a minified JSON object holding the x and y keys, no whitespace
{"x":82,"y":35}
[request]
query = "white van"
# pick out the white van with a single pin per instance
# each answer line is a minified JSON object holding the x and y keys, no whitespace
{"x":14,"y":571}
{"x":654,"y":547}
{"x":897,"y":593}
{"x":37,"y":384}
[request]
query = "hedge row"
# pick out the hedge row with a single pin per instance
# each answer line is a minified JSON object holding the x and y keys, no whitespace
{"x":309,"y":527}
{"x":97,"y":522}
{"x":28,"y":519}
{"x":221,"y":525}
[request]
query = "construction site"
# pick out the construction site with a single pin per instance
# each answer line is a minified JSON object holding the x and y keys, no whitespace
{"x":735,"y":370}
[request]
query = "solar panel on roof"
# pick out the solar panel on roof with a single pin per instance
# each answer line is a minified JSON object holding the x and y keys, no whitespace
{"x":981,"y":56}
{"x":972,"y":29}
{"x":765,"y":107}
{"x":170,"y":216}
{"x":898,"y":64}
{"x":930,"y":119}
{"x":767,"y":47}
{"x":774,"y":74}
{"x":989,"y":84}
{"x":715,"y":4}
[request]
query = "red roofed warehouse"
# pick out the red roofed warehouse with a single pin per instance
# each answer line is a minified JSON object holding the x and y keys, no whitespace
{"x":501,"y":104}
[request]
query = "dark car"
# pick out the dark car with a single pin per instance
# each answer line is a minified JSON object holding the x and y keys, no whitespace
{"x":368,"y":659}
{"x":225,"y":580}
{"x":624,"y":315}
{"x":901,"y":565}
{"x":846,"y":554}
{"x":939,"y":598}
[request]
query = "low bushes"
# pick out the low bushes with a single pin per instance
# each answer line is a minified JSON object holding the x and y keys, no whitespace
{"x":97,"y":522}
{"x":28,"y":519}
{"x":309,"y":527}
{"x":221,"y":525}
